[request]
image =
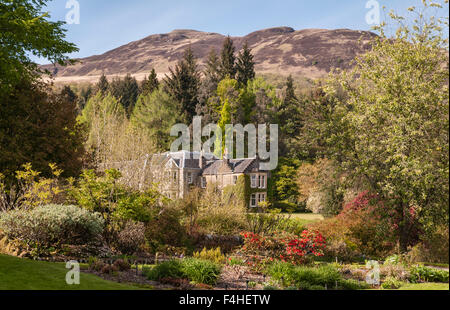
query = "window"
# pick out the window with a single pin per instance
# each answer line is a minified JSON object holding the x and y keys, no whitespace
{"x":203,"y":182}
{"x":253,"y":183}
{"x":253,"y":201}
{"x":189,"y":178}
{"x":262,"y":198}
{"x":235,"y":178}
{"x":175,"y":176}
{"x":262,"y":181}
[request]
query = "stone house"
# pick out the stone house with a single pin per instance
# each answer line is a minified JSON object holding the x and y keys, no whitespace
{"x":178,"y":172}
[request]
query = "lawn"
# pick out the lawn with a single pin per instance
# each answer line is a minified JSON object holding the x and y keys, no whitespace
{"x":23,"y":274}
{"x":306,"y":218}
{"x":311,"y":217}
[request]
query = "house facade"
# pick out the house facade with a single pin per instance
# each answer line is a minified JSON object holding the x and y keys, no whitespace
{"x":178,"y":172}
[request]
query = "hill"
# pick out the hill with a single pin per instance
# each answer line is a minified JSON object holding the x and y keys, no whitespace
{"x":310,"y":53}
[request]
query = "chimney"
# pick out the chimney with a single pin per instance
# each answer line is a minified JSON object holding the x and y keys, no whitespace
{"x":201,"y":161}
{"x":226,"y":159}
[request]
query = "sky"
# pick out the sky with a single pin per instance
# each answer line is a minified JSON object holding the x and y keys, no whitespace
{"x":107,"y":24}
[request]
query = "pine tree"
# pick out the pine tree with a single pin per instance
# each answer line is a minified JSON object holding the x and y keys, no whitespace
{"x":126,"y":91}
{"x":227,"y":61}
{"x":69,"y":95}
{"x":103,"y":85}
{"x":183,"y":84}
{"x":151,"y":84}
{"x":209,"y":85}
{"x":289,"y":118}
{"x":245,"y":66}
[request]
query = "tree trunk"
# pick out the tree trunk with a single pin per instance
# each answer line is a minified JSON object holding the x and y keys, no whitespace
{"x":403,"y":229}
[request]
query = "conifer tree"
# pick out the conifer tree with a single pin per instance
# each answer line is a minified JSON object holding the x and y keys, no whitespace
{"x":245,"y":66}
{"x":227,"y":61}
{"x":149,"y":85}
{"x":209,"y":85}
{"x":183,"y":84}
{"x":212,"y":71}
{"x":289,"y":118}
{"x":103,"y":85}
{"x":126,"y":91}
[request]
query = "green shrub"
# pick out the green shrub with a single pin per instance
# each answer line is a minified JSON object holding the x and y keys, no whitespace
{"x":232,"y":261}
{"x":196,"y":270}
{"x":391,"y":283}
{"x":168,"y":269}
{"x":323,"y":275}
{"x":52,"y":225}
{"x":426,"y":274}
{"x":213,"y":255}
{"x":201,"y":271}
{"x":165,"y":230}
{"x":270,"y":288}
{"x":282,"y":271}
{"x":311,"y":278}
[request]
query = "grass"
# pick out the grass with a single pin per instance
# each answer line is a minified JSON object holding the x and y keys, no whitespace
{"x":23,"y":274}
{"x":425,"y":287}
{"x":308,"y":217}
{"x":305,"y":218}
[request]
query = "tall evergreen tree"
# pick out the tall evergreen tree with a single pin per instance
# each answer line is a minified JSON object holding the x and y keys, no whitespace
{"x":149,"y":85}
{"x":69,"y":95}
{"x":208,"y":87}
{"x":102,"y":85}
{"x":227,"y":60}
{"x":183,"y":84}
{"x":126,"y":91}
{"x":212,"y":70}
{"x":245,"y":66}
{"x":289,"y":119}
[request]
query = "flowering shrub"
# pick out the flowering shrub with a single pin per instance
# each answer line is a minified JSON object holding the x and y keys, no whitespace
{"x":310,"y":243}
{"x":282,"y":246}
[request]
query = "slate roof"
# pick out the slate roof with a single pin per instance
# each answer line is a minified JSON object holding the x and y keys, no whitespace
{"x":190,"y":160}
{"x":236,"y":165}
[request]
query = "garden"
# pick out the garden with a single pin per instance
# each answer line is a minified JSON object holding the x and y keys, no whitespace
{"x":126,"y":239}
{"x":359,"y":199}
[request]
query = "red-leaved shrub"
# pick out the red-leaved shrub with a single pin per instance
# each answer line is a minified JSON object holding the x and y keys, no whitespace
{"x":282,"y":246}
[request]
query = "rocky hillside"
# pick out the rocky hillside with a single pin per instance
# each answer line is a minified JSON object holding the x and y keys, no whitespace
{"x":310,"y":52}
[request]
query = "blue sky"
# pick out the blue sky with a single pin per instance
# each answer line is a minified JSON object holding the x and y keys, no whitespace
{"x":107,"y":24}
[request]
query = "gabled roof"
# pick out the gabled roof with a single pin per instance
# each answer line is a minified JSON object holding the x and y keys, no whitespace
{"x":236,"y":165}
{"x":213,"y":166}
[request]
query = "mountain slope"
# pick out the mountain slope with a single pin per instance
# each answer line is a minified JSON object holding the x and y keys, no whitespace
{"x":310,"y":52}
